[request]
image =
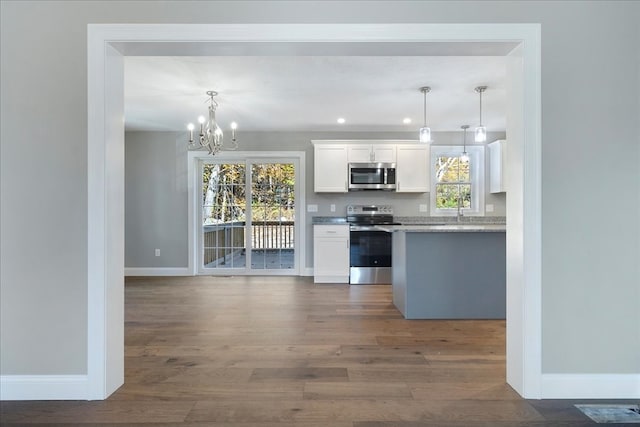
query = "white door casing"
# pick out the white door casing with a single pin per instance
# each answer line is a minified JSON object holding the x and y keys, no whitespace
{"x":107,"y":43}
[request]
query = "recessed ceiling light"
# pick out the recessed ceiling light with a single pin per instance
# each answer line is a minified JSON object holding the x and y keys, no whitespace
{"x":341,"y":120}
{"x":406,"y":120}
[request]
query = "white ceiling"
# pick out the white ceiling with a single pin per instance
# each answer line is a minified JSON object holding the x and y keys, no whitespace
{"x":309,"y":93}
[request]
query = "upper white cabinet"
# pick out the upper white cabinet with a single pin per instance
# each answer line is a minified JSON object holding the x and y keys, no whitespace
{"x":412,"y":168}
{"x":497,"y":166}
{"x":330,"y":168}
{"x":379,"y":153}
{"x":332,"y":158}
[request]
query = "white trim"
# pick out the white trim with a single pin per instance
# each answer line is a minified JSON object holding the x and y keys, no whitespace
{"x":308,"y":271}
{"x":590,"y":386}
{"x":43,"y":387}
{"x":157,"y":271}
{"x":104,"y":73}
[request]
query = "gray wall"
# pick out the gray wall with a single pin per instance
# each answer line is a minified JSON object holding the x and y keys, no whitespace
{"x":155,"y":200}
{"x":590,"y":175}
{"x":150,"y":179}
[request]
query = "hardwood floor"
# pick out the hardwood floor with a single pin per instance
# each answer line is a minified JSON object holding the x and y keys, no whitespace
{"x":281,"y":351}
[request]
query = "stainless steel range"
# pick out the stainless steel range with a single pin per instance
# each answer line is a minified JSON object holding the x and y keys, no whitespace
{"x":370,"y":244}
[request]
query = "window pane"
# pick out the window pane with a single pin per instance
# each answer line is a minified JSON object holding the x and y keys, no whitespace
{"x":451,"y":169}
{"x":447,"y":196}
{"x":463,"y":170}
{"x":465,"y":192}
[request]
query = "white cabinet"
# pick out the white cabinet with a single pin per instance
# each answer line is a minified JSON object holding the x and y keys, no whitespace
{"x":330,"y":168}
{"x":412,"y":168}
{"x":497,"y":166}
{"x":379,"y":153}
{"x":331,"y":253}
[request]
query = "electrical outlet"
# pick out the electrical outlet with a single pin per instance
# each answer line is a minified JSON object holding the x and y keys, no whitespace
{"x":489,"y":208}
{"x":333,"y":208}
{"x":423,"y":208}
{"x":312,"y":208}
{"x":157,"y":252}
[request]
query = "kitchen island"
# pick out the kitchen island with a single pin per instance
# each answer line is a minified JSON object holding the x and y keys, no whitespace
{"x":454,"y":271}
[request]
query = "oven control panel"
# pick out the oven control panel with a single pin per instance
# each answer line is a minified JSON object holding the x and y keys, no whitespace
{"x":369,"y":210}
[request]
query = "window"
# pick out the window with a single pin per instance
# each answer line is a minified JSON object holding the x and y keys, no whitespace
{"x":456,"y":182}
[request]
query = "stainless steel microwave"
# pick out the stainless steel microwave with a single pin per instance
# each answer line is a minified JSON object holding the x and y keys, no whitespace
{"x":372,"y":176}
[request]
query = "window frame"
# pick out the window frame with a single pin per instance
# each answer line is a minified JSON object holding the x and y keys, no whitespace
{"x":477,"y":169}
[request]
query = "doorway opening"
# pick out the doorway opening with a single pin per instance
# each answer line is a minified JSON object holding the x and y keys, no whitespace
{"x":108,"y":44}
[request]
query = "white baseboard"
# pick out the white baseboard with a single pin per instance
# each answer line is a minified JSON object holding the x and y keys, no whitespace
{"x":308,"y":271}
{"x":160,"y":271}
{"x":590,"y":386}
{"x":44,"y":387}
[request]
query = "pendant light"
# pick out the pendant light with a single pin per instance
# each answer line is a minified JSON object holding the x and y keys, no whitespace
{"x":425,"y":132}
{"x":481,"y":131}
{"x":464,"y":157}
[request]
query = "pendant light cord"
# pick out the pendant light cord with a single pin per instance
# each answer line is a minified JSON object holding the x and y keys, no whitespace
{"x":425,"y":109}
{"x":481,"y":108}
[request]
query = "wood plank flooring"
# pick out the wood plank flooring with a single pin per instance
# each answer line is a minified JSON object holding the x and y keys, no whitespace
{"x":281,"y":351}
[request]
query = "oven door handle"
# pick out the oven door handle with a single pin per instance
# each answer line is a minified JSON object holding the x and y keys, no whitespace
{"x":370,"y":228}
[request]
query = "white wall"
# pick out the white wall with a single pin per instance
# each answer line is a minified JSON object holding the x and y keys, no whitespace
{"x":591,"y":232}
{"x":155,"y":200}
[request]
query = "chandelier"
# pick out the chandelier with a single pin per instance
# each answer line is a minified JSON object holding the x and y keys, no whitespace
{"x":211,"y":135}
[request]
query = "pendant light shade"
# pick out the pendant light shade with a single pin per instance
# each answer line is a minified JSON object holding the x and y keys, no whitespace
{"x":425,"y":131}
{"x":481,"y":131}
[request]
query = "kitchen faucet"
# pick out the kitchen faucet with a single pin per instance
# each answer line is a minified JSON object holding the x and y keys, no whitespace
{"x":460,"y":213}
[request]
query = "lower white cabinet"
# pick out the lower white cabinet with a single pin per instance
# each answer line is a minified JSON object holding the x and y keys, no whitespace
{"x":331,"y":253}
{"x":497,"y":166}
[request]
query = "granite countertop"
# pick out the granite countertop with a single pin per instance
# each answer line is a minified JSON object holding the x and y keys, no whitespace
{"x":424,"y":224}
{"x":450,"y":220}
{"x":450,"y":228}
{"x":328,"y":220}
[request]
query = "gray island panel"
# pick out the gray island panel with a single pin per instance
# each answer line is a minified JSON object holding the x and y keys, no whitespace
{"x":443,"y":275}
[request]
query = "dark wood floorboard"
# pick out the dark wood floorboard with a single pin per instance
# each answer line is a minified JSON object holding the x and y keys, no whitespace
{"x":281,"y":351}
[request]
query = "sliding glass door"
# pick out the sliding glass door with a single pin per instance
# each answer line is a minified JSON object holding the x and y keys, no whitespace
{"x":248,"y":217}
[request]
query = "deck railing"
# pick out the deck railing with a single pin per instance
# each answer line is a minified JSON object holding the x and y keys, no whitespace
{"x":223,"y":240}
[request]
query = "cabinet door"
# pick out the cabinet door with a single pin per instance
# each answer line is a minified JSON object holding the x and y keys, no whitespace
{"x":331,"y":254}
{"x":360,"y":153}
{"x":384,"y":153}
{"x":330,"y":169}
{"x":412,"y":168}
{"x":497,"y":157}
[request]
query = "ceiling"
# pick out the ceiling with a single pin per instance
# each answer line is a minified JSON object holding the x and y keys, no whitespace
{"x":309,"y":93}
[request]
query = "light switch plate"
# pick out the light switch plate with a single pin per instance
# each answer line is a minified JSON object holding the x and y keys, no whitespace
{"x":333,"y":208}
{"x":423,"y":208}
{"x":312,"y":208}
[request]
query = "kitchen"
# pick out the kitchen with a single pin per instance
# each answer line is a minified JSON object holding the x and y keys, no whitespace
{"x":439,"y":266}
